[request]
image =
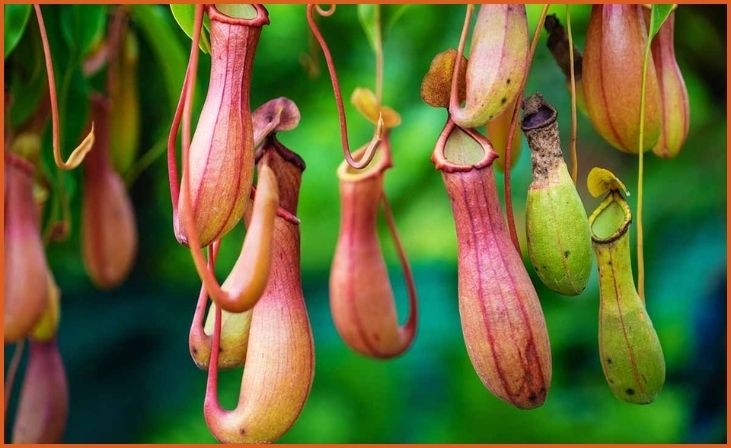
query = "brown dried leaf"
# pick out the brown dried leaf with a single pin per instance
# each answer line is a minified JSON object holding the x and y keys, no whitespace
{"x":437,"y":83}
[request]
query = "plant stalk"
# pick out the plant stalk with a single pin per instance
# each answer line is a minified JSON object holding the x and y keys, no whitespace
{"x":574,"y":156}
{"x":511,"y":131}
{"x":640,"y":173}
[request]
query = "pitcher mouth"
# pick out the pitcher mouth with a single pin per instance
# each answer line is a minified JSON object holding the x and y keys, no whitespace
{"x":598,"y":222}
{"x":469,"y":161}
{"x":225,"y":13}
{"x":381,"y":162}
{"x":538,"y":113}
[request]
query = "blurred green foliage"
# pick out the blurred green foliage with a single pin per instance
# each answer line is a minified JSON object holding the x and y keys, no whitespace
{"x":131,"y":377}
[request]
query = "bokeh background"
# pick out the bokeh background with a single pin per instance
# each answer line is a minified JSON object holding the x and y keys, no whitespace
{"x":131,"y":378}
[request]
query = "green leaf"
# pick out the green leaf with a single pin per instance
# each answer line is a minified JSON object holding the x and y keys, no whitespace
{"x":185,"y":16}
{"x":368,"y":17}
{"x":16,"y":19}
{"x":658,"y":15}
{"x":82,"y":26}
{"x":27,"y":77}
{"x":156,"y":28}
{"x":393,"y":13}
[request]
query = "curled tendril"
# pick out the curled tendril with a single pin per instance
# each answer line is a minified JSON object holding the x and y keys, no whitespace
{"x":326,"y":12}
{"x":197,"y":337}
{"x":78,"y":154}
{"x":370,"y":150}
{"x":410,"y":327}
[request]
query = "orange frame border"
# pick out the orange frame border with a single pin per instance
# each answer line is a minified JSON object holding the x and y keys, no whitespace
{"x":456,"y":2}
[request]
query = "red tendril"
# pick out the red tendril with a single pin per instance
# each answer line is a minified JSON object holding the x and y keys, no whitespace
{"x":370,"y":150}
{"x":410,"y":327}
{"x":197,"y":327}
{"x":78,"y":154}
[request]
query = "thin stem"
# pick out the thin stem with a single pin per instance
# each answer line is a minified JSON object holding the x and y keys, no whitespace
{"x":175,"y":126}
{"x":12,"y":371}
{"x":410,"y":326}
{"x":378,"y":44}
{"x":511,"y":130}
{"x":370,"y":150}
{"x":78,"y":154}
{"x":640,"y":238}
{"x":640,"y":174}
{"x":211,"y":398}
{"x":197,"y":328}
{"x":61,"y":209}
{"x":453,"y":94}
{"x":574,"y":156}
{"x":144,"y":161}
